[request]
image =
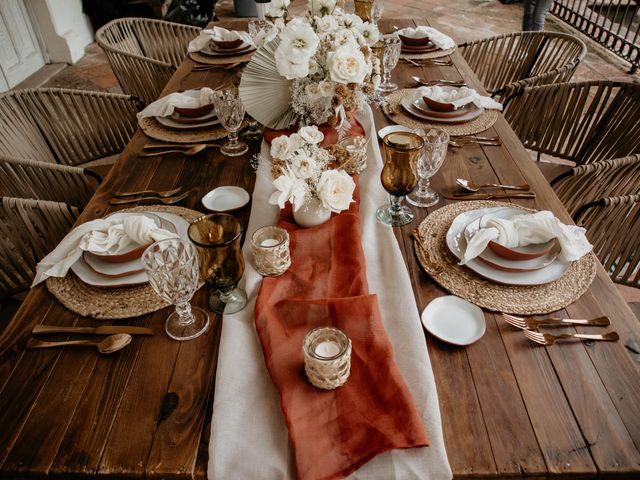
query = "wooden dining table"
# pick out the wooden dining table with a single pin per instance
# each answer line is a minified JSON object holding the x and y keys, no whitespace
{"x":509,"y":408}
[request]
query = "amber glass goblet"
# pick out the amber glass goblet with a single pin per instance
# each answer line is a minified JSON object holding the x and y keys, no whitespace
{"x":217,"y":237}
{"x":399,"y":175}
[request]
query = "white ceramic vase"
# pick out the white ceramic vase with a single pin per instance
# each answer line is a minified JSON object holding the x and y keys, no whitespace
{"x":312,"y":213}
{"x":262,"y":9}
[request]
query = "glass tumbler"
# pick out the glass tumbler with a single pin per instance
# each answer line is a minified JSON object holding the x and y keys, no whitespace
{"x":399,"y":175}
{"x":230,"y":112}
{"x":436,"y":142}
{"x":390,"y":59}
{"x":172,"y":268}
{"x":217,"y":237}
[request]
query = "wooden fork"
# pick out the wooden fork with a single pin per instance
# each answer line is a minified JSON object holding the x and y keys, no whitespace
{"x":532,"y":324}
{"x":548,"y":339}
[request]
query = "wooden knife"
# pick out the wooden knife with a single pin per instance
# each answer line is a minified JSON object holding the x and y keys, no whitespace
{"x":101,"y":330}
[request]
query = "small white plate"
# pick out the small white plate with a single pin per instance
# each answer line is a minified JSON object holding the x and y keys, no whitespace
{"x":225,"y":199}
{"x":454,"y":320}
{"x":384,"y":131}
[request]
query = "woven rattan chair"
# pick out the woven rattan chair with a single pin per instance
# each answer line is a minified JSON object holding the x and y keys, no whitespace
{"x":613,"y":227}
{"x":47,"y":181}
{"x":144,"y":53}
{"x":506,"y":64}
{"x":64,"y":126}
{"x":607,"y":178}
{"x":29,"y":229}
{"x":583,"y":122}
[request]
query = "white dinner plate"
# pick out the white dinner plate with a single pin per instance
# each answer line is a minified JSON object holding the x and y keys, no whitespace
{"x":95,"y":279}
{"x":457,"y":244}
{"x":225,"y":199}
{"x":407,"y":104}
{"x":384,"y":131}
{"x":115,"y":270}
{"x":454,"y":320}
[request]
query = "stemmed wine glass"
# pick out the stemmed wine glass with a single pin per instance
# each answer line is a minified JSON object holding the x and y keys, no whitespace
{"x":436,"y":141}
{"x":217,"y":237}
{"x":399,"y":175}
{"x":172,"y":268}
{"x":377,"y":8}
{"x":230,"y":112}
{"x":392,"y":45}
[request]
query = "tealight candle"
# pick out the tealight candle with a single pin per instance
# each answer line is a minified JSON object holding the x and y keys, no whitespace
{"x":270,"y":246}
{"x":356,"y":147}
{"x":327,"y":357}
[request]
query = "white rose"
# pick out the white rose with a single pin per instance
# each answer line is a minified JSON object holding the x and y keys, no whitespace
{"x":298,"y":43}
{"x":280,"y":147}
{"x":289,"y":66}
{"x":335,"y":190}
{"x":289,"y":188}
{"x":277,"y":8}
{"x":347,"y":65}
{"x":311,"y":134}
{"x":304,"y":165}
{"x":344,"y":37}
{"x":325,"y":25}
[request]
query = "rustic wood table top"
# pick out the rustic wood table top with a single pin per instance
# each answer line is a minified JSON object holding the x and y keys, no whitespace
{"x":509,"y":408}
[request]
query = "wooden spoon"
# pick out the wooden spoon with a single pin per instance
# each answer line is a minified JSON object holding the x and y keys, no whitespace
{"x":110,"y":344}
{"x":188,"y":152}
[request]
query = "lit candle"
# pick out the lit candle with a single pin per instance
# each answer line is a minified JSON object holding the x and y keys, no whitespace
{"x":327,"y":349}
{"x":269,"y":242}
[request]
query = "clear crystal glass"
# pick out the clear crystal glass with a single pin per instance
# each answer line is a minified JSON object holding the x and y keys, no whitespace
{"x":377,"y":10}
{"x":172,"y":268}
{"x":392,"y":45}
{"x":230,"y":111}
{"x":436,"y":142}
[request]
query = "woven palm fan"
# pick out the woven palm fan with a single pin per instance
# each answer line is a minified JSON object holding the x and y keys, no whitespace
{"x":265,"y":93}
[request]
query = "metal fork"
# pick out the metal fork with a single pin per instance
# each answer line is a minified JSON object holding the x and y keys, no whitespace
{"x":532,"y":324}
{"x":548,"y":339}
{"x":431,"y":83}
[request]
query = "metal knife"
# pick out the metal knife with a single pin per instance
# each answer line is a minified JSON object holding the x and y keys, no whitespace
{"x":490,"y":196}
{"x":101,"y":330}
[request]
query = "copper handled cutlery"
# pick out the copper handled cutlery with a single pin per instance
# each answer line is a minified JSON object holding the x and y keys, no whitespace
{"x":101,"y":330}
{"x":165,"y":200}
{"x":165,"y":193}
{"x":548,"y":339}
{"x":109,"y":344}
{"x":532,"y":324}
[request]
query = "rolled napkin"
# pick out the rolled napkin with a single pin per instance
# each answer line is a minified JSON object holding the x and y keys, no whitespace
{"x":439,"y":39}
{"x":163,"y":107}
{"x":528,"y":229}
{"x":458,"y":96}
{"x":102,"y":236}
{"x":216,"y":33}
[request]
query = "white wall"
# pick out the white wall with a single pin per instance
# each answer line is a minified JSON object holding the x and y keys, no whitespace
{"x":63,"y":28}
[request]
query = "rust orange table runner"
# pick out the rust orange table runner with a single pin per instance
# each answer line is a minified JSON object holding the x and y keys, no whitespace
{"x":333,"y":432}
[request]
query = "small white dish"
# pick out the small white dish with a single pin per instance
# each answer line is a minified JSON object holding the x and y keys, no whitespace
{"x":225,"y":199}
{"x":384,"y":131}
{"x":454,"y":320}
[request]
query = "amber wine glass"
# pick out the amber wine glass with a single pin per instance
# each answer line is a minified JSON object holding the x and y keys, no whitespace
{"x":399,"y":175}
{"x":217,"y":237}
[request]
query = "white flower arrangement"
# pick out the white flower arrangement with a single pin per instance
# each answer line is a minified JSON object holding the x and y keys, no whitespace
{"x":327,"y":56}
{"x":303,"y":170}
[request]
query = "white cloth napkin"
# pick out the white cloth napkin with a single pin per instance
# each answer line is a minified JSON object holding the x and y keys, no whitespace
{"x":216,"y":33}
{"x":246,"y":404}
{"x":163,"y":107}
{"x":458,"y":96}
{"x":102,"y":236}
{"x":528,"y":229}
{"x":439,"y":39}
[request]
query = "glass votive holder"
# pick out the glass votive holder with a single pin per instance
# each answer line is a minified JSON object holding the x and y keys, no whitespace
{"x":327,"y":357}
{"x":356,"y":148}
{"x":270,"y":247}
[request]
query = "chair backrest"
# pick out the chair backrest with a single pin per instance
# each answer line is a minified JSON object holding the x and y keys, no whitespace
{"x":613,"y":227}
{"x":29,"y":230}
{"x":47,"y":181}
{"x":144,"y":53}
{"x":508,"y":63}
{"x":583,"y":121}
{"x":66,"y":126}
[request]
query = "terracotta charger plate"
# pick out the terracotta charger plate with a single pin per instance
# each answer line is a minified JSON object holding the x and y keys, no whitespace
{"x":188,"y":120}
{"x":207,"y":121}
{"x":408,"y":105}
{"x":213,"y":51}
{"x":427,"y":110}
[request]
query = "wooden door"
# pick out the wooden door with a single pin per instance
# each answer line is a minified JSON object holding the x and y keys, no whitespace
{"x":20,"y":54}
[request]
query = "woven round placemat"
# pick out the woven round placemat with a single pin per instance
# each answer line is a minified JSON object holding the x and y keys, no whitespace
{"x":209,"y":60}
{"x":437,"y":260}
{"x":113,"y":303}
{"x":153,"y":129}
{"x":397,"y":113}
{"x":425,"y":56}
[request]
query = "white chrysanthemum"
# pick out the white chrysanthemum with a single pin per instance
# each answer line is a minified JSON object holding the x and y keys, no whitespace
{"x":278,"y":8}
{"x":335,"y":190}
{"x":347,"y":65}
{"x":281,"y":148}
{"x":289,"y":188}
{"x":370,"y":33}
{"x":311,"y":134}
